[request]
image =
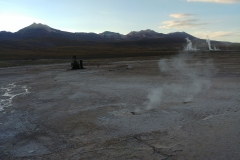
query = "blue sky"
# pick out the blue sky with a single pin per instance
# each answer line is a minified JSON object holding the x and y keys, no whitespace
{"x":219,"y":19}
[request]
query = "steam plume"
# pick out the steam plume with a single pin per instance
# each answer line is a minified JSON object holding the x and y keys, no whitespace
{"x":191,"y":80}
{"x":209,"y":44}
{"x":189,"y":46}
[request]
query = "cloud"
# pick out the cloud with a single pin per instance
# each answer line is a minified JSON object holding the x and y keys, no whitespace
{"x":182,"y":23}
{"x":182,"y":20}
{"x":182,"y":15}
{"x":231,"y":36}
{"x":222,"y":34}
{"x":216,"y":1}
{"x":216,"y":34}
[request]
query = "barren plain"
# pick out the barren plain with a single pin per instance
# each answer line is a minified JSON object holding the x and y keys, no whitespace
{"x":123,"y":109}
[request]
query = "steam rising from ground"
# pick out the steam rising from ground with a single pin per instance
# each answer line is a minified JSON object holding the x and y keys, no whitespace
{"x":209,"y":45}
{"x":189,"y":46}
{"x":190,"y":79}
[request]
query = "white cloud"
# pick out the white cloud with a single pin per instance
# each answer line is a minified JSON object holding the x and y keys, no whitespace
{"x":222,"y":34}
{"x":182,"y":15}
{"x":182,"y":23}
{"x":216,"y":1}
{"x":218,"y":35}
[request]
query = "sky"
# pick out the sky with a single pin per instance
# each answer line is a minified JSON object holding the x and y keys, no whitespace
{"x":217,"y":19}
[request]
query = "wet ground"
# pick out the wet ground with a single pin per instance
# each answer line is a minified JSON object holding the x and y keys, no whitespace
{"x":123,"y":110}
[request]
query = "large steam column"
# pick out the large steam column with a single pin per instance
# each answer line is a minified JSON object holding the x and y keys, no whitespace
{"x":189,"y":46}
{"x":209,"y":44}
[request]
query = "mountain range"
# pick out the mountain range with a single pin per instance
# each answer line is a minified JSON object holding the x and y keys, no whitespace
{"x":39,"y":41}
{"x":43,"y":31}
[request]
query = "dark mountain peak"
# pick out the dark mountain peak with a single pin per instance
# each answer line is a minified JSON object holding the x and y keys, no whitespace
{"x":180,"y":35}
{"x":6,"y":35}
{"x":108,"y":34}
{"x":145,"y":34}
{"x":5,"y":32}
{"x":36,"y":26}
{"x":148,"y":31}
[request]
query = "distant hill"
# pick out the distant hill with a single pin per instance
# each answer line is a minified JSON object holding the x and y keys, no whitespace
{"x":39,"y":41}
{"x":42,"y":31}
{"x":39,"y":35}
{"x":112,"y":35}
{"x":144,"y":34}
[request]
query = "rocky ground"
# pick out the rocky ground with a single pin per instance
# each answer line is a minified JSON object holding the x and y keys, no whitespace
{"x":101,"y":112}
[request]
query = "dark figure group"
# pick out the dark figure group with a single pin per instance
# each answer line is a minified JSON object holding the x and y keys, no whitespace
{"x":75,"y":64}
